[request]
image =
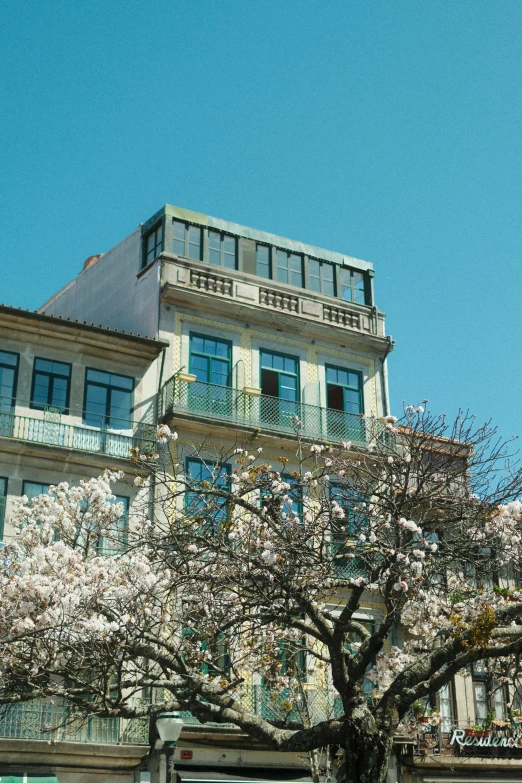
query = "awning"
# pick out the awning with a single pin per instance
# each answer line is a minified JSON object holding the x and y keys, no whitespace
{"x":243,"y":775}
{"x":28,"y":777}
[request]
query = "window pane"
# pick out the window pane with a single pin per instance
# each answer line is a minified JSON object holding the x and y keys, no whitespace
{"x":121,"y":382}
{"x":214,"y":256}
{"x":32,"y":489}
{"x":7,"y":380}
{"x":229,"y":244}
{"x":41,"y":389}
{"x":9,"y":358}
{"x":98,"y":376}
{"x":59,"y":395}
{"x":296,"y":267}
{"x":119,"y":412}
{"x":95,"y":405}
{"x":194,"y":243}
{"x":200,"y":367}
{"x":43,"y":364}
{"x":263,"y":261}
{"x":214,"y":239}
{"x":282,"y":266}
{"x":178,"y":241}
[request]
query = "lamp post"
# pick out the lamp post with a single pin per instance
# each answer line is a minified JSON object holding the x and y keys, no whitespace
{"x":169,"y":726}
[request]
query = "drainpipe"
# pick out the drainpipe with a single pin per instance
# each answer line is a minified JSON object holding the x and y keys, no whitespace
{"x":384,"y":375}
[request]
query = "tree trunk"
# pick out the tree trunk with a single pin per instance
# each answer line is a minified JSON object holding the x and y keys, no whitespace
{"x":365,"y":756}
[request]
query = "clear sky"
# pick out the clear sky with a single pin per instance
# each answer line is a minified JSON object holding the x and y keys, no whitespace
{"x":389,"y":131}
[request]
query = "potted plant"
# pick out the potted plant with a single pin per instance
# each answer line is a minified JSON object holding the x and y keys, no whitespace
{"x":419,"y":711}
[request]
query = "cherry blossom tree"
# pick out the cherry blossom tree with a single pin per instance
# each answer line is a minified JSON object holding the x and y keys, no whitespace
{"x":255,"y":575}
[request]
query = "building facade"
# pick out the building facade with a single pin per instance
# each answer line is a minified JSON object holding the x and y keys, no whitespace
{"x":238,"y":336}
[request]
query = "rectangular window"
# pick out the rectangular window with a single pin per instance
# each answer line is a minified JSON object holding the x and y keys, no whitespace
{"x":51,"y":385}
{"x":321,"y":277}
{"x":8,"y":379}
{"x":152,"y":244}
{"x":108,"y":400}
{"x":210,"y":362}
{"x":352,"y":286}
{"x":263,"y":265}
{"x":186,"y":240}
{"x":117,"y":541}
{"x":289,"y":268}
{"x":344,"y":402}
{"x":3,"y":501}
{"x":33,"y":488}
{"x":222,"y":249}
{"x":279,"y":380}
{"x":212,"y":510}
{"x":344,"y":390}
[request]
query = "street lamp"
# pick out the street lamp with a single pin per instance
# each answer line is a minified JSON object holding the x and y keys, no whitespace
{"x":169,"y":726}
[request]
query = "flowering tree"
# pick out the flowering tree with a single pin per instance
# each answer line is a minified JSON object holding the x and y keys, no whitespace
{"x":242,"y":574}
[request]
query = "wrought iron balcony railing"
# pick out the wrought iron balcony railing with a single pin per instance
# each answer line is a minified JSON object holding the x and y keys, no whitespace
{"x":235,"y":406}
{"x":69,"y":430}
{"x":41,"y":721}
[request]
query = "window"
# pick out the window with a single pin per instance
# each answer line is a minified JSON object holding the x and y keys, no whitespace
{"x":116,"y":542}
{"x":33,"y":488}
{"x":210,"y":359}
{"x":3,"y":500}
{"x":51,"y":385}
{"x":214,"y":510}
{"x":8,"y":378}
{"x":186,"y":240}
{"x":489,"y":695}
{"x":289,"y":268}
{"x":263,"y":265}
{"x":222,"y":249}
{"x":152,"y":244}
{"x":279,"y":375}
{"x":352,"y":286}
{"x":108,"y":400}
{"x":344,"y":390}
{"x":321,"y":277}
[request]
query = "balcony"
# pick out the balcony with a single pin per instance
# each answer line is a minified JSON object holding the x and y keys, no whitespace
{"x":41,"y":721}
{"x":52,"y":428}
{"x":210,"y":402}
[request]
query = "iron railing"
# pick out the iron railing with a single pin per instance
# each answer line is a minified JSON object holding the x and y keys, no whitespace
{"x":224,"y":403}
{"x":42,"y":721}
{"x":78,"y":436}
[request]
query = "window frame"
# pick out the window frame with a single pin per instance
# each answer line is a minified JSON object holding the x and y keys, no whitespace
{"x":297,"y":374}
{"x":270,"y":265}
{"x":106,"y":416}
{"x":187,"y":225}
{"x":15,"y":377}
{"x":117,"y":546}
{"x":210,"y":357}
{"x":222,"y":253}
{"x":145,"y":253}
{"x":343,"y":386}
{"x":227,"y":468}
{"x":41,"y":406}
{"x":289,"y":271}
{"x":351,"y":286}
{"x":322,"y":264}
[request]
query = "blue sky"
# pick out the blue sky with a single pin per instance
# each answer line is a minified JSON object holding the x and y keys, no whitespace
{"x":389,"y":131}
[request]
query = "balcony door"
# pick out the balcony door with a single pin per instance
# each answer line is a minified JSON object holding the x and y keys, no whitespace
{"x":280,"y":389}
{"x":344,"y":401}
{"x":8,"y":378}
{"x":210,"y":361}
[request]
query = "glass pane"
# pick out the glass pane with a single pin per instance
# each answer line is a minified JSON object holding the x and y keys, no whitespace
{"x":59,"y":397}
{"x":98,"y":376}
{"x":194,"y":243}
{"x":288,"y":387}
{"x":9,"y":358}
{"x":354,"y":380}
{"x":214,"y":256}
{"x":41,"y":389}
{"x":120,"y":381}
{"x":95,"y":405}
{"x":197,"y":343}
{"x":481,"y":701}
{"x":7,"y":380}
{"x":352,"y":401}
{"x":278,"y":362}
{"x":296,"y":266}
{"x":32,"y":489}
{"x":43,"y":364}
{"x":219,"y":372}
{"x":120,"y":405}
{"x":178,"y":230}
{"x":331,"y":375}
{"x":200,"y":367}
{"x":263,"y":261}
{"x":229,"y":244}
{"x":282,"y":266}
{"x":290,"y":364}
{"x":214,"y":240}
{"x":267,"y":359}
{"x":178,"y":247}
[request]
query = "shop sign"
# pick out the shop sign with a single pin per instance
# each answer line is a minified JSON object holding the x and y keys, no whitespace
{"x":459,"y":737}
